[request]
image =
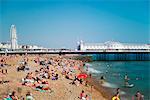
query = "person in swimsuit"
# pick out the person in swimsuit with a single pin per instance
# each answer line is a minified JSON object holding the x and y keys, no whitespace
{"x":116,"y":96}
{"x":82,"y":95}
{"x":126,"y":79}
{"x":87,"y":97}
{"x":138,"y":96}
{"x":14,"y":96}
{"x":102,"y":79}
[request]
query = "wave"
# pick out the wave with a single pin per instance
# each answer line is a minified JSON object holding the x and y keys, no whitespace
{"x":122,"y":92}
{"x":110,"y":85}
{"x":87,"y":64}
{"x":92,"y":70}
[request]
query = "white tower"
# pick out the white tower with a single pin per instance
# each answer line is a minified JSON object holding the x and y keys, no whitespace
{"x":13,"y":36}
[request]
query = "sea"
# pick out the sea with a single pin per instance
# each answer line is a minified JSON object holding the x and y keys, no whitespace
{"x":115,"y":71}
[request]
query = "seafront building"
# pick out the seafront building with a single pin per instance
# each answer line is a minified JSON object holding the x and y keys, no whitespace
{"x":13,"y":43}
{"x":5,"y":45}
{"x":82,"y":46}
{"x":111,"y":45}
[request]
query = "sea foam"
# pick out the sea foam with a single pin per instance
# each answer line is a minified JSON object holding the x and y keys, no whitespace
{"x":110,"y":85}
{"x":92,"y":70}
{"x":87,"y":64}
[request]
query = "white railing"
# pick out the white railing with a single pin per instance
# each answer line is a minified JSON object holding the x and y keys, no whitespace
{"x":72,"y":51}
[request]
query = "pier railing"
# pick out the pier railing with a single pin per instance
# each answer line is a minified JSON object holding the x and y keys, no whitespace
{"x":75,"y":51}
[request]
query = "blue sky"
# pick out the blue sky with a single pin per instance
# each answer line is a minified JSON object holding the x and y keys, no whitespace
{"x":61,"y":23}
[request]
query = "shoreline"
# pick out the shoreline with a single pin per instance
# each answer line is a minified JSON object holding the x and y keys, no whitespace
{"x":117,"y":82}
{"x":103,"y":90}
{"x":106,"y":93}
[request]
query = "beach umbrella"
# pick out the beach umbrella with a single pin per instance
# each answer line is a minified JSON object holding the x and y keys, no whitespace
{"x":83,"y":76}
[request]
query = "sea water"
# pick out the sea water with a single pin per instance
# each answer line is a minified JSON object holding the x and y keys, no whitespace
{"x":114,"y":72}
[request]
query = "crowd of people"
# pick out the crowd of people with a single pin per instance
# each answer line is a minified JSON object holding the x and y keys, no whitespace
{"x":13,"y":96}
{"x":137,"y":96}
{"x":51,"y":68}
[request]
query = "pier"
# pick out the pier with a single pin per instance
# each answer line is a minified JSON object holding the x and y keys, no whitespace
{"x":107,"y":51}
{"x":123,"y":55}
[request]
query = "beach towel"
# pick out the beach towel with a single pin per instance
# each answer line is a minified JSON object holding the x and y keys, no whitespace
{"x":7,"y":99}
{"x":83,"y":98}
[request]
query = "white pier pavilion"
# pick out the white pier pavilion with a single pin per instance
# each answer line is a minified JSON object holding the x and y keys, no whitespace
{"x":110,"y":45}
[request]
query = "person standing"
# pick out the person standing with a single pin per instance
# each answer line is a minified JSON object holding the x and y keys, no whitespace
{"x":138,"y":96}
{"x":116,"y":96}
{"x":82,"y":95}
{"x":126,"y":79}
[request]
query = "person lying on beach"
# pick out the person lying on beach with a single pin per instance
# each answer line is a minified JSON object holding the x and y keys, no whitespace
{"x":4,"y":71}
{"x":42,"y":63}
{"x":2,"y":82}
{"x":45,"y":74}
{"x":28,"y":80}
{"x":68,"y":76}
{"x":43,"y":85}
{"x":32,"y":80}
{"x":22,"y":68}
{"x":55,"y":77}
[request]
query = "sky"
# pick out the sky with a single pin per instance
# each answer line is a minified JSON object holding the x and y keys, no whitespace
{"x":62,"y":23}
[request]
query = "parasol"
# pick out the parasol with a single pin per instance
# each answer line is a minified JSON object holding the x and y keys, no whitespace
{"x":83,"y":76}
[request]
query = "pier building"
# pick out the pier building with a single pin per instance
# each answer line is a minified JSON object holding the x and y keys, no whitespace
{"x":110,"y":45}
